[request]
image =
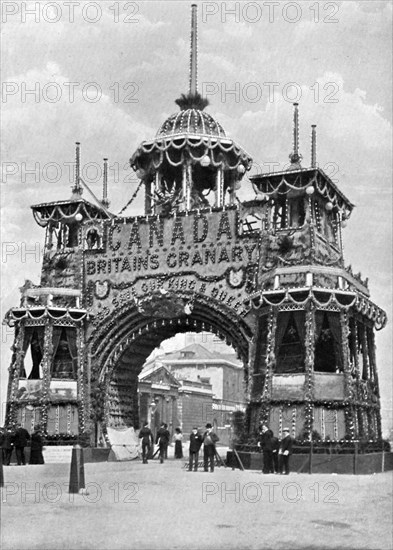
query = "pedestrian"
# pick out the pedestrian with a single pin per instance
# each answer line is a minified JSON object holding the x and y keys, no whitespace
{"x":146,"y":436}
{"x":209,"y":447}
{"x":275,"y":448}
{"x":21,"y":439}
{"x":196,"y":440}
{"x":166,"y":445}
{"x":162,"y":439}
{"x":178,"y":439}
{"x":284,"y":452}
{"x":265,"y":442}
{"x":7,"y":446}
{"x":37,"y":443}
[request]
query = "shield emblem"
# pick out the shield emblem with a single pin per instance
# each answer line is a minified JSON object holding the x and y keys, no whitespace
{"x":101,"y":289}
{"x":236,"y":277}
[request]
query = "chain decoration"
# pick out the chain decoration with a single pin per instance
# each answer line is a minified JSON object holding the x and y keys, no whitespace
{"x":132,"y":198}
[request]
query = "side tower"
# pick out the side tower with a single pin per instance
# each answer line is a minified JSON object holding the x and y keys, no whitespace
{"x":314,"y":361}
{"x":47,"y":376}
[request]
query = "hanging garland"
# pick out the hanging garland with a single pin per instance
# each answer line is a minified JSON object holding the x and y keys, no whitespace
{"x":46,"y":367}
{"x":309,"y":367}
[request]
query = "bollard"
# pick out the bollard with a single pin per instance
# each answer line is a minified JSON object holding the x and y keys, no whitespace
{"x":77,"y":472}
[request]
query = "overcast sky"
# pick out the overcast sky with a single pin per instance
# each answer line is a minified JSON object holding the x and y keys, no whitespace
{"x":107,"y":75}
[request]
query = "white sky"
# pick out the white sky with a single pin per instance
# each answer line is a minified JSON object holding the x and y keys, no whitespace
{"x":341,"y":64}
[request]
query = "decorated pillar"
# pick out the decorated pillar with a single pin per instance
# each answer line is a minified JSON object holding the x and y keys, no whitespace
{"x":47,"y":359}
{"x":14,"y":374}
{"x":81,"y":381}
{"x":309,"y":369}
{"x":148,"y":197}
{"x":270,"y":363}
{"x":348,"y":383}
{"x":219,"y":188}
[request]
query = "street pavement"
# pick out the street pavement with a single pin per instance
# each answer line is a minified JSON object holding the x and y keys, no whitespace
{"x":163,"y":506}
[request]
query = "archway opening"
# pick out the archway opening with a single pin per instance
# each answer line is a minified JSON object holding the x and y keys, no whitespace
{"x":189,"y":380}
{"x":130,"y":396}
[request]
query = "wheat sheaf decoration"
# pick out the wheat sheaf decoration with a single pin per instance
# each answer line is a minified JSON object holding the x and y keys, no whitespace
{"x":192,"y":101}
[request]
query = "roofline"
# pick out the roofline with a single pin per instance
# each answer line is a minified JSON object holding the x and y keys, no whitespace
{"x":257,"y":177}
{"x":204,"y":361}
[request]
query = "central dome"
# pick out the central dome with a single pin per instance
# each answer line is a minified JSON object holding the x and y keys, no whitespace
{"x":191,"y":121}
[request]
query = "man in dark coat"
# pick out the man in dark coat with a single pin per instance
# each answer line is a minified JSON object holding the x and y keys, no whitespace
{"x":21,"y":439}
{"x":284,"y":452}
{"x":163,"y":437}
{"x":195,"y":444}
{"x":209,"y":448}
{"x":8,"y":445}
{"x":266,"y":444}
{"x":147,"y":441}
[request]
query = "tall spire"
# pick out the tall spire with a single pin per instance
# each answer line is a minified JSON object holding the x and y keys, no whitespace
{"x":77,"y":189}
{"x":105,"y":201}
{"x":194,"y":51}
{"x":295,"y":156}
{"x":193,"y":100}
{"x":313,"y":146}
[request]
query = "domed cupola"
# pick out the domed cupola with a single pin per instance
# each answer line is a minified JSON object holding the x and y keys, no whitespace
{"x":191,"y":121}
{"x":191,"y":163}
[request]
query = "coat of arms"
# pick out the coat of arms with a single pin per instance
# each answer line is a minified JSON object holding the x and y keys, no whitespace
{"x":236,"y":277}
{"x":101,"y":289}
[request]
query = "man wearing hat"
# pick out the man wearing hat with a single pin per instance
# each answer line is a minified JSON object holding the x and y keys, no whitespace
{"x":209,"y":447}
{"x":284,"y":452}
{"x":195,"y":445}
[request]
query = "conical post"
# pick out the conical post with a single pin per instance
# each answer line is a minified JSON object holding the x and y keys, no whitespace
{"x":77,"y":471}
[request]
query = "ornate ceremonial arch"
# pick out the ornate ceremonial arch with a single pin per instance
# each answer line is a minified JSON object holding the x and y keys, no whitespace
{"x":266,"y":275}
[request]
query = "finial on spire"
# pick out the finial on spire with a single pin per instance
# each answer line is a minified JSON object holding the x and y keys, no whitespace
{"x":194,"y":52}
{"x":77,"y":190}
{"x":295,"y":156}
{"x":105,"y":201}
{"x":313,"y":146}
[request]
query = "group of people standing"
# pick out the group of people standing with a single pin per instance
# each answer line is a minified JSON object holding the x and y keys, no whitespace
{"x":208,"y":439}
{"x":275,"y":452}
{"x":18,"y":439}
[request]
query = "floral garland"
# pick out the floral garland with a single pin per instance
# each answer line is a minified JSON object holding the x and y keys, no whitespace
{"x":344,"y":324}
{"x":46,"y":364}
{"x":309,"y":367}
{"x":270,"y":355}
{"x":14,"y":373}
{"x":81,"y":381}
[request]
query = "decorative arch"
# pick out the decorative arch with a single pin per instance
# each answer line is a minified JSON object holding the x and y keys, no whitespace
{"x":127,"y":337}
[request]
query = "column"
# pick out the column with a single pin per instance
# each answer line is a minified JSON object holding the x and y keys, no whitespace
{"x":47,"y":359}
{"x":148,"y":197}
{"x":309,"y":368}
{"x":219,"y":188}
{"x":14,"y":373}
{"x":348,"y":383}
{"x":156,"y":190}
{"x":81,"y":383}
{"x":185,"y":187}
